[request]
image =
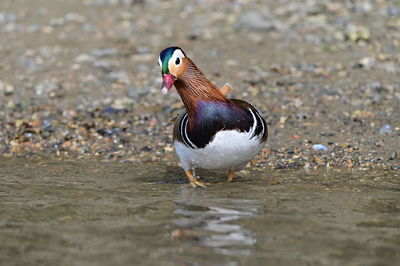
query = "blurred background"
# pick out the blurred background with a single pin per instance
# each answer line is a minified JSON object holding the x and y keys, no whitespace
{"x":79,"y":78}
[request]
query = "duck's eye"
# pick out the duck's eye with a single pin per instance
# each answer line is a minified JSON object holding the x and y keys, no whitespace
{"x":177,"y":61}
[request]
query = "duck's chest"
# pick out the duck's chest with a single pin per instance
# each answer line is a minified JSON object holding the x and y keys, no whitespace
{"x":229,"y":149}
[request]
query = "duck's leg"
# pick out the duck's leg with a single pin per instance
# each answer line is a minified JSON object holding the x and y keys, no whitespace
{"x":193,"y":180}
{"x":194,"y":173}
{"x":231,"y":175}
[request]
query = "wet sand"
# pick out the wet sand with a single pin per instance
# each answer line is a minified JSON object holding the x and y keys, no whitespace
{"x":96,"y":213}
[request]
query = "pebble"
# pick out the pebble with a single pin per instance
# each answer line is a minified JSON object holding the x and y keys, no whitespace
{"x":319,"y":147}
{"x":366,"y":62}
{"x":7,"y":17}
{"x":386,"y":130}
{"x":45,"y":87}
{"x":393,"y":156}
{"x":86,"y":83}
{"x":355,"y":33}
{"x":393,"y":11}
{"x":83,"y":58}
{"x":6,"y":88}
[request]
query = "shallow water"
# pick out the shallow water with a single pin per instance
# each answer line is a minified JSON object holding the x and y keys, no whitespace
{"x":94,"y":213}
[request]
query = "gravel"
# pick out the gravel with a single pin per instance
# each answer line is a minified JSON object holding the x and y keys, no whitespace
{"x":80,"y":79}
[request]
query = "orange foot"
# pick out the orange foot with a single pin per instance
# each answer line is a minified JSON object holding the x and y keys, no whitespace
{"x":193,"y":181}
{"x":231,"y":175}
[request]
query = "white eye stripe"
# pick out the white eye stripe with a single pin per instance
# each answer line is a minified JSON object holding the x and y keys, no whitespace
{"x":177,"y":54}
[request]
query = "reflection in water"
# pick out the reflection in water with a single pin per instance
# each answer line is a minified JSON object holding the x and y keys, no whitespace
{"x":212,"y":218}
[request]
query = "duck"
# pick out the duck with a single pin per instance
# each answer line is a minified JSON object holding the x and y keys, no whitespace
{"x":212,"y":132}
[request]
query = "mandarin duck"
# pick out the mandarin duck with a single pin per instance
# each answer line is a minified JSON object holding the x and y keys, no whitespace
{"x":213,"y":132}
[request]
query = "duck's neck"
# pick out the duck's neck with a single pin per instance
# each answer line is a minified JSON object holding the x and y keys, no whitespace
{"x":194,"y":87}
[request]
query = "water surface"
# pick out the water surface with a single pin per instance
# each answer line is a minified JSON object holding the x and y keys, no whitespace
{"x":94,"y":213}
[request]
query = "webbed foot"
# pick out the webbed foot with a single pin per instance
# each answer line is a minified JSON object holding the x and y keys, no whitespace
{"x":194,"y":182}
{"x":231,"y":175}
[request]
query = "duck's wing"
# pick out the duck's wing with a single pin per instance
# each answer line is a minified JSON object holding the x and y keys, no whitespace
{"x":180,"y":133}
{"x":261,"y":129}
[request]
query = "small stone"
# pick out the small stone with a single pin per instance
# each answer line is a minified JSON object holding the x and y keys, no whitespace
{"x":7,"y":17}
{"x":393,"y":156}
{"x":355,"y":33}
{"x":46,"y":124}
{"x":146,"y":149}
{"x":111,"y":111}
{"x":8,"y":89}
{"x":363,"y":114}
{"x":319,"y":147}
{"x":231,"y":62}
{"x":393,"y":11}
{"x":46,"y":87}
{"x":185,"y":234}
{"x":366,"y":62}
{"x":386,"y":130}
{"x":84,"y":58}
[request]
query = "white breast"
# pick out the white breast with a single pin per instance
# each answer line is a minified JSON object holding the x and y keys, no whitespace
{"x":230,"y":149}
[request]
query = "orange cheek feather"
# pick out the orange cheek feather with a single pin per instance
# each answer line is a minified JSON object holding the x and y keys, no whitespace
{"x":172,"y":69}
{"x":177,"y":71}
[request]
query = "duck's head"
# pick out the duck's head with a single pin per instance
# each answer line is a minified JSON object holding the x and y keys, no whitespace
{"x":172,"y":62}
